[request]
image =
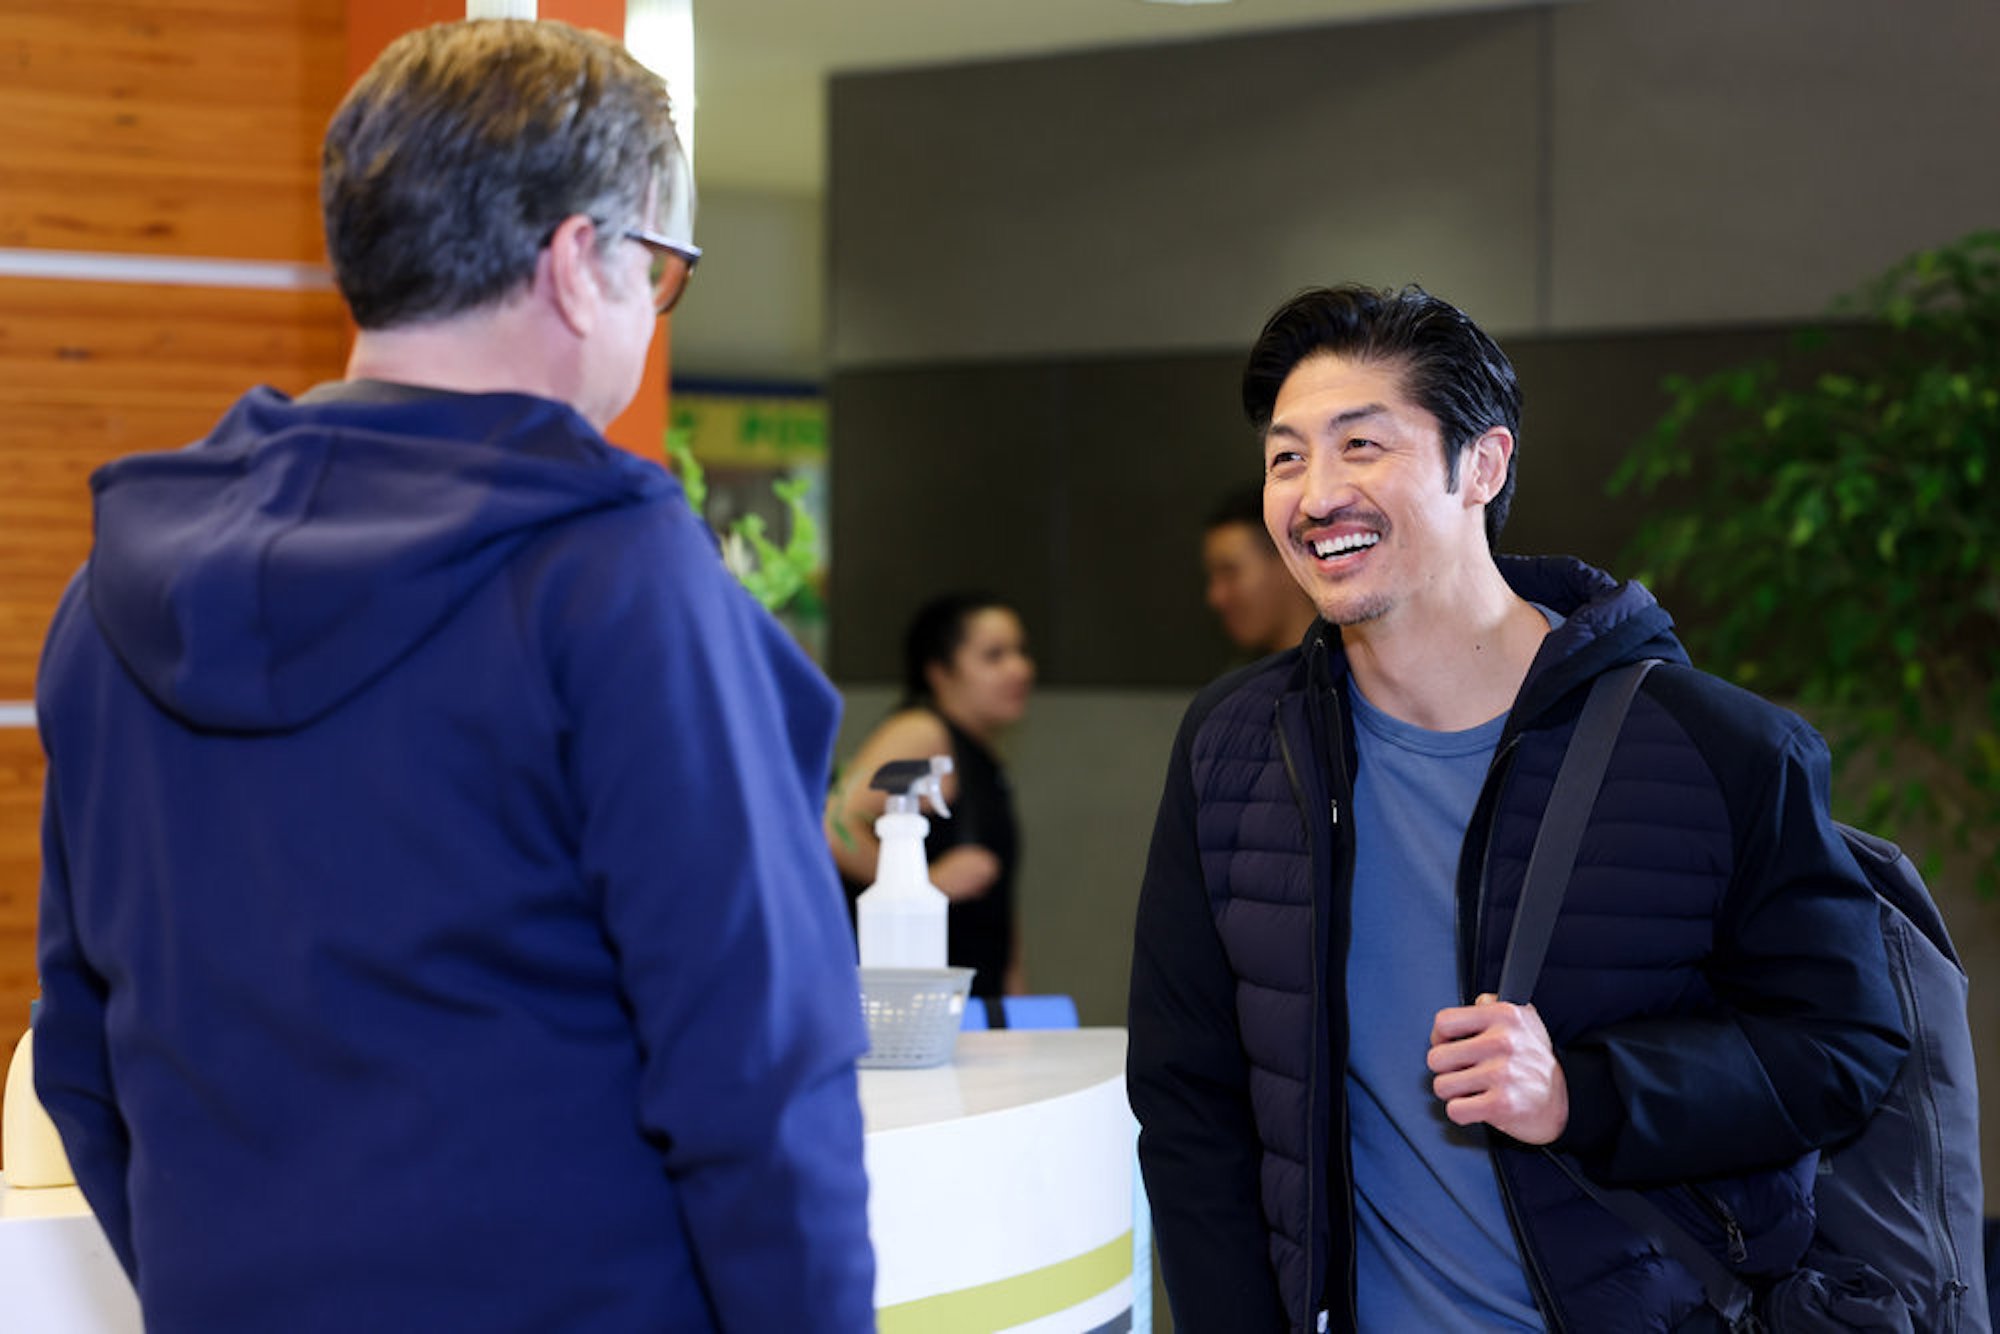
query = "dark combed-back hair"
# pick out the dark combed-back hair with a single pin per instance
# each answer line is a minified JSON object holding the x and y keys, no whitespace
{"x":1450,"y":367}
{"x":935,"y":633}
{"x":458,"y":153}
{"x":1245,"y":505}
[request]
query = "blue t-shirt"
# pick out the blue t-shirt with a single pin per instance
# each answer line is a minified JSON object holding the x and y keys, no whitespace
{"x":1433,"y":1247}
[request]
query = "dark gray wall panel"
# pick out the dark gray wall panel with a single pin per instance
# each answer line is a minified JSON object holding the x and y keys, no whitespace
{"x":1044,"y":273}
{"x":1715,"y":160}
{"x":1075,"y":489}
{"x":1163,"y":198}
{"x":1078,"y":489}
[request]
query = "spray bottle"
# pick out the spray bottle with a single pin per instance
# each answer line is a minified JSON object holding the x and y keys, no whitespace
{"x":900,"y":919}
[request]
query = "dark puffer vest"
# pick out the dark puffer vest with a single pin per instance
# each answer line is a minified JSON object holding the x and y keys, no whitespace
{"x":1714,"y":987}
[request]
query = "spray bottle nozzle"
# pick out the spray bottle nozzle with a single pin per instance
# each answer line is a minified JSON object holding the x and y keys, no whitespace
{"x":908,"y":782}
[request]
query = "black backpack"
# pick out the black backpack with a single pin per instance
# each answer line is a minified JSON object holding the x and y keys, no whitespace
{"x":1899,"y":1244}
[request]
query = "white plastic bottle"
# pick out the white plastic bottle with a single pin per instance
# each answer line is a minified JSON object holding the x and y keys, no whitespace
{"x":900,"y":919}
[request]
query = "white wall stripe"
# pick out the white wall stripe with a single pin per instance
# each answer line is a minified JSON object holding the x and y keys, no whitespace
{"x":90,"y":266}
{"x":16,"y":713}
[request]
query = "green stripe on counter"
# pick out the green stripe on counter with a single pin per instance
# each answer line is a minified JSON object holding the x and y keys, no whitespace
{"x":1013,"y":1301}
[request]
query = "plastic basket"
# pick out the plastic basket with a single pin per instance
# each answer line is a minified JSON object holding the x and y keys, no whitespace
{"x":913,"y":1015}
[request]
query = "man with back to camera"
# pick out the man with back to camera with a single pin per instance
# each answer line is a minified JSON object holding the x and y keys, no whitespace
{"x":436,"y":932}
{"x":1338,"y":1120}
{"x":1250,"y":590}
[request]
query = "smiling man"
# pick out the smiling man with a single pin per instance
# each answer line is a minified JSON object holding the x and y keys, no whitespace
{"x":1341,"y":1128}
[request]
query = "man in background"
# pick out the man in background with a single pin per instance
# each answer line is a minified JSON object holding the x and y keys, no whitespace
{"x":435,"y":928}
{"x":1261,"y":606}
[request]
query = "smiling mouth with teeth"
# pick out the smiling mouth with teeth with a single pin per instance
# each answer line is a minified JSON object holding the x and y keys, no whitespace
{"x":1327,"y":548}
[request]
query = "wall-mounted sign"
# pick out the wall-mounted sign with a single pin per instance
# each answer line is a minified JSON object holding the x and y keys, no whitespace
{"x":751,"y":431}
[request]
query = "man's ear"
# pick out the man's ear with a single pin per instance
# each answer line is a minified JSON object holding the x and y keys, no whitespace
{"x":1483,"y":465}
{"x":573,"y":274}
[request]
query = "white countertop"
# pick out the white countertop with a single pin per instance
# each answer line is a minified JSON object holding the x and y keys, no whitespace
{"x":57,"y":1272}
{"x":1001,"y":1186}
{"x":993,"y":1071}
{"x":1000,"y":1181}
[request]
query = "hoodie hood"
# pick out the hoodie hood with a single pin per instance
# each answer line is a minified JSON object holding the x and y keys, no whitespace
{"x":1607,"y":623}
{"x":256,"y":579}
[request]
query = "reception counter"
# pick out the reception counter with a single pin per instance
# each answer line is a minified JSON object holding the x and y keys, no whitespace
{"x":1001,"y":1187}
{"x":57,"y":1272}
{"x":1000,"y":1198}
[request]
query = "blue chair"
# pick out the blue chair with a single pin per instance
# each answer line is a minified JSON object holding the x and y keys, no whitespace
{"x":1018,"y":1012}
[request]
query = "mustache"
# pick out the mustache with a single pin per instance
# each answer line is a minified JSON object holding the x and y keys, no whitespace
{"x":1357,"y":514}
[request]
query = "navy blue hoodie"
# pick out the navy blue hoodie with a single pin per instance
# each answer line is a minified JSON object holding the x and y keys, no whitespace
{"x":436,"y":928}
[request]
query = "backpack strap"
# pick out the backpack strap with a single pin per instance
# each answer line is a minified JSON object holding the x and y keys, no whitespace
{"x":1549,"y":866}
{"x":1563,"y":821}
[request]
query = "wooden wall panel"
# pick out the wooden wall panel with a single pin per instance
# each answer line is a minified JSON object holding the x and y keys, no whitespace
{"x":183,"y":127}
{"x":20,"y":876}
{"x":168,"y":128}
{"x":90,"y":371}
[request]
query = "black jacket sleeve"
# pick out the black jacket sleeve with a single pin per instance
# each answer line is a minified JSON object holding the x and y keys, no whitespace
{"x":1188,"y":1078}
{"x":1806,"y":1032}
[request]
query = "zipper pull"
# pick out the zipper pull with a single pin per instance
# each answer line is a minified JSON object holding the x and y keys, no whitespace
{"x":1732,"y":1231}
{"x":1333,"y":806}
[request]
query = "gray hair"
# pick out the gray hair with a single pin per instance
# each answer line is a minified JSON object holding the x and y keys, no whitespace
{"x":464,"y":146}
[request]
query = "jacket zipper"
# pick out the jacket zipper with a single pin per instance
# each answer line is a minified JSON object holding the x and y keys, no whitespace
{"x":1337,"y":759}
{"x":1312,"y":921}
{"x":1333,"y":766}
{"x":1937,"y":1223}
{"x":1732,"y":1231}
{"x":1538,"y":1281}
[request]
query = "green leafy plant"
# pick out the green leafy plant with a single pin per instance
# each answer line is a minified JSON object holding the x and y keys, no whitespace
{"x":780,"y":577}
{"x":1827,"y":514}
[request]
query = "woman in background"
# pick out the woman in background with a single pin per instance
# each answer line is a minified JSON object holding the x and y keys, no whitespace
{"x":966,"y":678}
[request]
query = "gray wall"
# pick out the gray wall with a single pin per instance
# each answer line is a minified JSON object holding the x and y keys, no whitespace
{"x":1163,"y":197}
{"x":757,"y":311}
{"x":1617,"y":164}
{"x":1077,"y":488}
{"x":1043,"y":274}
{"x":1713,"y":161}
